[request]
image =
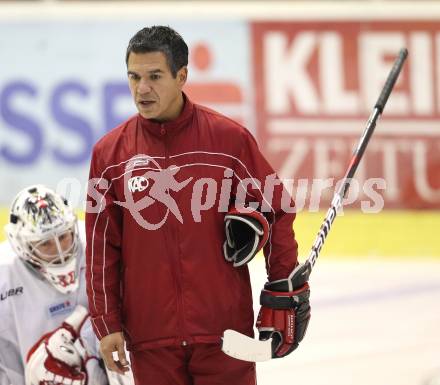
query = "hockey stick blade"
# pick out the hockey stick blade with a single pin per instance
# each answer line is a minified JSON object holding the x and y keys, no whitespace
{"x":245,"y":348}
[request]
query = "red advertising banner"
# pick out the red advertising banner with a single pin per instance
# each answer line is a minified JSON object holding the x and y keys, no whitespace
{"x":316,"y":84}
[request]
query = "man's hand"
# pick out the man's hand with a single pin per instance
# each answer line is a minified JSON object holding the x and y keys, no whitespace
{"x":114,"y":343}
{"x":284,"y":317}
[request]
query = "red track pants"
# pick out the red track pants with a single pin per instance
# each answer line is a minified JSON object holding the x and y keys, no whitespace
{"x":198,"y":364}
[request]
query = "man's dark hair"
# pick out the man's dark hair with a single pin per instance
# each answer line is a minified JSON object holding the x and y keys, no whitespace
{"x":163,"y":39}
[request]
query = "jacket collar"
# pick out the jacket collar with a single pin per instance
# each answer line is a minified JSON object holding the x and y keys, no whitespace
{"x":172,"y":126}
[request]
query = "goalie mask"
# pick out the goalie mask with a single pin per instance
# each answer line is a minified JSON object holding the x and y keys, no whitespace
{"x":43,"y":232}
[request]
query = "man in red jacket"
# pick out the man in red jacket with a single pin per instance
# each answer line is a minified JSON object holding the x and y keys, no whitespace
{"x":165,"y":187}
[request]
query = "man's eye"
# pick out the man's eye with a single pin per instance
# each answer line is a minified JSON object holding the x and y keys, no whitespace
{"x":133,"y":77}
{"x":154,"y":77}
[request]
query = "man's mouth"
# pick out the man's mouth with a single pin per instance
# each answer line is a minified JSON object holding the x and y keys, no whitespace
{"x":146,"y":103}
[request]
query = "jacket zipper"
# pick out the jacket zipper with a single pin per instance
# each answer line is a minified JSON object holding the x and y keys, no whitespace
{"x":175,"y":261}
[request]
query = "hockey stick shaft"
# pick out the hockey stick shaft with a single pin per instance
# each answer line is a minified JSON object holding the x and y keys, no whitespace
{"x":337,"y":200}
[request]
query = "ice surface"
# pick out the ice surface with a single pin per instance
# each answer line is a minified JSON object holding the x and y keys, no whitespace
{"x":373,"y":321}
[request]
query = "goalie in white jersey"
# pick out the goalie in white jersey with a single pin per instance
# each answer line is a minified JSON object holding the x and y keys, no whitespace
{"x":45,"y":336}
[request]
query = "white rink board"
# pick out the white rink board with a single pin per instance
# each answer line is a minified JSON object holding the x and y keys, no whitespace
{"x":373,"y":322}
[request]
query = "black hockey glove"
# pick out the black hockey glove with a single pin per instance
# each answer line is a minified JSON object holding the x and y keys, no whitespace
{"x":247,"y":231}
{"x":284,"y":317}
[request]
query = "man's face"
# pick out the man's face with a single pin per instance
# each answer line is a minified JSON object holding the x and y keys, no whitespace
{"x":49,"y":250}
{"x":156,"y":93}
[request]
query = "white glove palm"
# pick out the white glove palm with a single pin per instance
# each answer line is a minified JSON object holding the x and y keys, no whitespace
{"x":55,"y":364}
{"x":60,"y":357}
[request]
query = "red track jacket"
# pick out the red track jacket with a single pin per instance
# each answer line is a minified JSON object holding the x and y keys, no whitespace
{"x":155,"y":266}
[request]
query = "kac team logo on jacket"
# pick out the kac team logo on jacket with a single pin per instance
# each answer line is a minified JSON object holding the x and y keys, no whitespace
{"x":138,"y":183}
{"x":162,"y":182}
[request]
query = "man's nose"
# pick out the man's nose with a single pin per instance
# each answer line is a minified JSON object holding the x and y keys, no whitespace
{"x":144,"y":86}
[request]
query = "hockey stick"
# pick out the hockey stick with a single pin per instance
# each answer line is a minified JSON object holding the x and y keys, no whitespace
{"x":248,"y":349}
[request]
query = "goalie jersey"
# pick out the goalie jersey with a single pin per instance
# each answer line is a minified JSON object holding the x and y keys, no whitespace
{"x":31,"y":307}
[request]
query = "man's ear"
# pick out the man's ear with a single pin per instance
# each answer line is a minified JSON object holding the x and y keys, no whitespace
{"x":182,"y":75}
